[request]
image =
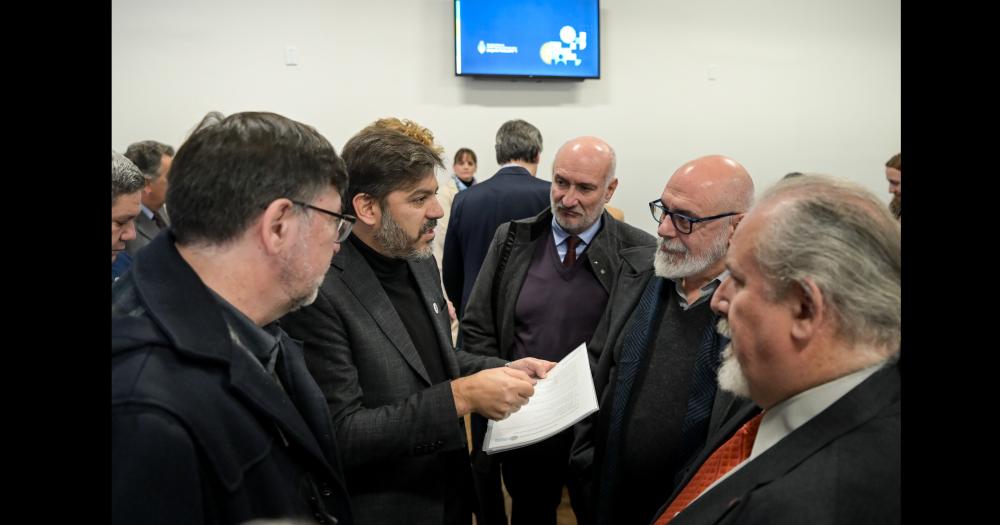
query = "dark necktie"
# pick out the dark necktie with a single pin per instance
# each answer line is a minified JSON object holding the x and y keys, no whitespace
{"x":160,"y":223}
{"x":637,"y":340}
{"x":571,"y":243}
{"x":725,"y":458}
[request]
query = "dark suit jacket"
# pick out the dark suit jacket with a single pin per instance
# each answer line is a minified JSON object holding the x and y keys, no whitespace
{"x":476,"y":213}
{"x":145,"y":230}
{"x":393,"y":424}
{"x":841,"y":467}
{"x":605,"y":348}
{"x":200,"y":433}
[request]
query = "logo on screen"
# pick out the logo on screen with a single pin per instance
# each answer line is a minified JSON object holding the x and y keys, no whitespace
{"x":554,"y":53}
{"x":482,"y":47}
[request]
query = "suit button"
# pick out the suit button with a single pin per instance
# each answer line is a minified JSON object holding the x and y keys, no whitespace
{"x":327,"y":492}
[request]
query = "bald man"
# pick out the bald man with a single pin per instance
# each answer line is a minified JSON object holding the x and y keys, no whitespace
{"x":546,"y":301}
{"x":658,"y":350}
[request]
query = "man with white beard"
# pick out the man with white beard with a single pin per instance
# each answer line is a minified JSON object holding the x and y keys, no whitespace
{"x":812,"y":304}
{"x":658,"y":348}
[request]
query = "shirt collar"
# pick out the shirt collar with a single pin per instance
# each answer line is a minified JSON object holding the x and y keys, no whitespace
{"x":782,"y":419}
{"x":706,"y":291}
{"x":146,"y":211}
{"x":586,"y":236}
{"x":260,"y":341}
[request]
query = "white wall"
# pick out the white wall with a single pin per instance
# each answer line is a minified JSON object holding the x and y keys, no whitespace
{"x":801,"y":85}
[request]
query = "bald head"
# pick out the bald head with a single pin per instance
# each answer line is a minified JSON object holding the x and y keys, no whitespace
{"x":716,"y":180}
{"x":590,"y":153}
{"x":706,"y":199}
{"x":583,"y":181}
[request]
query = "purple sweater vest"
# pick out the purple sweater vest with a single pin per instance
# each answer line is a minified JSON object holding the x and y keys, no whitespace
{"x":557,"y":308}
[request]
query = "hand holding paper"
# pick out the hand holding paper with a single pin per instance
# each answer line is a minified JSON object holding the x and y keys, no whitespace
{"x":566,"y":395}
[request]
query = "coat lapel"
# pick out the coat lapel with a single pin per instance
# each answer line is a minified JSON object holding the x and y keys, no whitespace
{"x":429,"y":288}
{"x":602,"y":249}
{"x":265,"y":395}
{"x":635,"y":275}
{"x":360,"y":279}
{"x":145,"y":226}
{"x":854,"y":409}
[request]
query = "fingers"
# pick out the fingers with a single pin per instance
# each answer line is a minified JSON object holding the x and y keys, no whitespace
{"x":534,"y":367}
{"x":517,"y":374}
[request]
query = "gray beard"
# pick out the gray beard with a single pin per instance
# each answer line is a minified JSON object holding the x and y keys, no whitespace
{"x":292,"y":275}
{"x":679,"y":263}
{"x":730,"y":375}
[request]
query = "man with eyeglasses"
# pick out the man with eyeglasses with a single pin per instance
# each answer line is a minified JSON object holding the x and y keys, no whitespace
{"x":659,"y":350}
{"x":378,"y":342}
{"x":214,"y":415}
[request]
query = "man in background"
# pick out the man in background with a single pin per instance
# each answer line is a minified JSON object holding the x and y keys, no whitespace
{"x":153,"y":159}
{"x":126,"y":189}
{"x":894,"y":174}
{"x":512,"y":193}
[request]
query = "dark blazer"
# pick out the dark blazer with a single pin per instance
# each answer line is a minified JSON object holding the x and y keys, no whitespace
{"x":840,"y":467}
{"x":145,"y":230}
{"x":393,"y":424}
{"x":200,"y":433}
{"x":511,"y":194}
{"x":605,"y":347}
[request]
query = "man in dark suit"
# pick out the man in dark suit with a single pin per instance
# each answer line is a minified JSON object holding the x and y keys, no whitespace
{"x":153,"y":159}
{"x":126,"y":187}
{"x":214,"y":416}
{"x":378,"y":341}
{"x":812,"y":304}
{"x":544,"y":303}
{"x":657,"y":350}
{"x":512,"y":193}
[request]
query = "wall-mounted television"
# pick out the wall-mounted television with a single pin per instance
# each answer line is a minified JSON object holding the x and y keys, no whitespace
{"x":528,"y":38}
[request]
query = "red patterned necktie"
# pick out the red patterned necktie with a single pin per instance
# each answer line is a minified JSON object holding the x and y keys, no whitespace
{"x":570,"y":258}
{"x":733,"y":452}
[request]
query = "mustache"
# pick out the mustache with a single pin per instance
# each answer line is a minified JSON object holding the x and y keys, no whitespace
{"x":673,"y":245}
{"x":428,"y":226}
{"x":723,"y":328}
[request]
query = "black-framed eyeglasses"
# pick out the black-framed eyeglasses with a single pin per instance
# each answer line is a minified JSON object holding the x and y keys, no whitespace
{"x":682,"y":223}
{"x":345,"y":221}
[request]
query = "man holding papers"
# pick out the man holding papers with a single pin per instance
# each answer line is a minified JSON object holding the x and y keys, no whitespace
{"x":541,"y":291}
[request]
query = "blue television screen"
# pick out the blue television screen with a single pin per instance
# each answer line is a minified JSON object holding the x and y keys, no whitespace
{"x":528,"y":38}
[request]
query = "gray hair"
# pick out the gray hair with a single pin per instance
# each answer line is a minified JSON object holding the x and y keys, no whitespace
{"x":840,"y":236}
{"x":518,"y":140}
{"x":125,"y":177}
{"x":147,"y":156}
{"x":610,"y":175}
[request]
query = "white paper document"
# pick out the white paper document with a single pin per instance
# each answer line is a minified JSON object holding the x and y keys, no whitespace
{"x":565,"y":396}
